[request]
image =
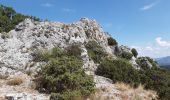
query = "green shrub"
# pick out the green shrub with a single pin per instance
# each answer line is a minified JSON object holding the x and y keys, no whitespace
{"x":44,"y":55}
{"x":157,"y":79}
{"x":74,"y":50}
{"x":119,"y":70}
{"x":64,"y":77}
{"x":153,"y":62}
{"x":111,"y":41}
{"x":95,"y":52}
{"x":140,"y":61}
{"x":56,"y":52}
{"x":126,"y":55}
{"x":134,"y":52}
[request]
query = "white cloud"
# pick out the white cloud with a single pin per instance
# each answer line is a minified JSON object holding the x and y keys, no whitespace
{"x":68,"y":10}
{"x":47,"y":5}
{"x":160,"y":48}
{"x":148,"y":48}
{"x":162,"y":43}
{"x":149,"y":6}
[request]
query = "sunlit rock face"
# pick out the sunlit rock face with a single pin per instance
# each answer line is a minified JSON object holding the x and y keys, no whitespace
{"x":17,"y":46}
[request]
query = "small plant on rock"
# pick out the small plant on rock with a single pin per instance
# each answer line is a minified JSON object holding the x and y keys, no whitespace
{"x":111,"y":41}
{"x":134,"y":52}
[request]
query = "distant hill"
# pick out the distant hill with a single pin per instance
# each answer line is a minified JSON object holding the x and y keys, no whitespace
{"x":166,"y":67}
{"x":164,"y":62}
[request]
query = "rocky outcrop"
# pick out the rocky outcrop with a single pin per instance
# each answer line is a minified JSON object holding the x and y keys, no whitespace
{"x":17,"y":46}
{"x":15,"y":51}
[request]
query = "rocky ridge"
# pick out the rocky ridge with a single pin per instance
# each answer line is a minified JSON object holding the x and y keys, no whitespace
{"x":17,"y":46}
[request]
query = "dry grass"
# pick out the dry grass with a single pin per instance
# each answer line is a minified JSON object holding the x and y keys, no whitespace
{"x":124,"y":92}
{"x":138,"y":93}
{"x":15,"y":81}
{"x":122,"y":86}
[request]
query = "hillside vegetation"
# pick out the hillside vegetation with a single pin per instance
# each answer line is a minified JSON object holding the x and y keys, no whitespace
{"x":121,"y":70}
{"x":9,"y":18}
{"x":63,"y":77}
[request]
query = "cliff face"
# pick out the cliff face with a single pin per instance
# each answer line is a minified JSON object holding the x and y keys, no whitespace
{"x":17,"y":46}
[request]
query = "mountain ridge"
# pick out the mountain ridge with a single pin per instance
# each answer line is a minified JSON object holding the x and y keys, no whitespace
{"x":163,"y":61}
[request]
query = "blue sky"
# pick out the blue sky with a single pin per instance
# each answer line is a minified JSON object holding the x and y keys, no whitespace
{"x":143,"y":24}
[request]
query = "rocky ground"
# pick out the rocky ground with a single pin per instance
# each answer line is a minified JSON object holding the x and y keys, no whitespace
{"x":23,"y":91}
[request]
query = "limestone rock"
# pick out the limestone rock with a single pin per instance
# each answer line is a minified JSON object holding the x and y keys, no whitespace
{"x":15,"y":51}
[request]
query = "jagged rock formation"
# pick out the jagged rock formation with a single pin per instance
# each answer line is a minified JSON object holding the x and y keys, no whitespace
{"x":17,"y":46}
{"x":16,"y":49}
{"x":29,"y":35}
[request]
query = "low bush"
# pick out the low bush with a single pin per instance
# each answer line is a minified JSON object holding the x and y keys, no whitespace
{"x":126,"y":55}
{"x":157,"y":79}
{"x":141,"y":61}
{"x":111,"y":41}
{"x":64,"y":77}
{"x":44,"y":55}
{"x":134,"y":52}
{"x":121,"y":70}
{"x":95,"y":52}
{"x":153,"y":62}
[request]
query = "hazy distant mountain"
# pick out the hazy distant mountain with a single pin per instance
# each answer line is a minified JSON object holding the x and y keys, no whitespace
{"x":164,"y":62}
